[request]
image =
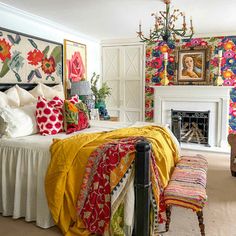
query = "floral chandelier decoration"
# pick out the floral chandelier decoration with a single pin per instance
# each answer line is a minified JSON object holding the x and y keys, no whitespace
{"x":165,"y":26}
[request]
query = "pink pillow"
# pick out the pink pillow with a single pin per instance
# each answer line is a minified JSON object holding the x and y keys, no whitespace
{"x":49,"y":116}
{"x":75,"y":99}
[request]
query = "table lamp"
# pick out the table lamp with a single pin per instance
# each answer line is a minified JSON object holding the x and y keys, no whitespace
{"x":83,"y":89}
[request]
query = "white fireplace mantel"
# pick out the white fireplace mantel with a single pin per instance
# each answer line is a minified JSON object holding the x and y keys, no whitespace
{"x":196,"y":98}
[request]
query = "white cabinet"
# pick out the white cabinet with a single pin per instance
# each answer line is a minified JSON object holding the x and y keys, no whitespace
{"x":123,"y":70}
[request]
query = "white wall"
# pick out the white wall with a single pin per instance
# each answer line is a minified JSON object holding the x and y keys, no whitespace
{"x":15,"y":19}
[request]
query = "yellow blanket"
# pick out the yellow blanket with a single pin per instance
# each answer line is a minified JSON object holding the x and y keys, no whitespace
{"x":68,"y":161}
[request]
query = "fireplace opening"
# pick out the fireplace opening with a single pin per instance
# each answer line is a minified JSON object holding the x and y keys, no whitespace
{"x":191,"y":126}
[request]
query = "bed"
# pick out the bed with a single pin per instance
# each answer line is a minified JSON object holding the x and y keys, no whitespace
{"x":24,"y":162}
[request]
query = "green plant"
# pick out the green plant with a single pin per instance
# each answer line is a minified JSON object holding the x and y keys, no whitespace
{"x":102,"y":93}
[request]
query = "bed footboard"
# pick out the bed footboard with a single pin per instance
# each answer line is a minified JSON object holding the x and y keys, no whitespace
{"x":142,"y":189}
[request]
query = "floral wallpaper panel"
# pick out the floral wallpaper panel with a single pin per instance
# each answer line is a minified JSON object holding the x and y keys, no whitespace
{"x":155,"y":67}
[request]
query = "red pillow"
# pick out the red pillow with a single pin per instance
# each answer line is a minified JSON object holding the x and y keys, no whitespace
{"x":49,"y":116}
{"x":75,"y":116}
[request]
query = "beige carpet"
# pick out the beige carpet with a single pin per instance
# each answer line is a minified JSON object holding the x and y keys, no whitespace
{"x":219,"y":214}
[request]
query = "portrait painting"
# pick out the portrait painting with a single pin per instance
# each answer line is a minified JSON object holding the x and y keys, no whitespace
{"x":192,"y":66}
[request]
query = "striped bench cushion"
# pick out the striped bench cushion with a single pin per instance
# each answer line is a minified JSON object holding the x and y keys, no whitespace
{"x":187,"y":186}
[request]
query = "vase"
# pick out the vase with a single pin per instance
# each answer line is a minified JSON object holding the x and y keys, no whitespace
{"x":100,"y":104}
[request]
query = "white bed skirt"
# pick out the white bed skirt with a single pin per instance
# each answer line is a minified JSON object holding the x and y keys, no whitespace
{"x":21,"y":191}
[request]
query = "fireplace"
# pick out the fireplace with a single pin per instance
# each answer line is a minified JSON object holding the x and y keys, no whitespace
{"x":197,"y":101}
{"x":190,"y":126}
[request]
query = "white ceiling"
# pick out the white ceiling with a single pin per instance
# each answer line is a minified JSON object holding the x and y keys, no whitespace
{"x":109,"y":19}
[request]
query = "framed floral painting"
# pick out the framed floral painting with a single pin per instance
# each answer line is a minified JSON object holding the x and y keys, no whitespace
{"x":25,"y":59}
{"x":75,"y":58}
{"x":192,"y":66}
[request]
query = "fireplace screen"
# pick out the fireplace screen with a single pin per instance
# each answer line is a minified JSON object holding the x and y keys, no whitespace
{"x":191,"y":126}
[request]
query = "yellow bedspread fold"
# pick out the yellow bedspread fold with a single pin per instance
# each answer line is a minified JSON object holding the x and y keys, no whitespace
{"x":68,"y":161}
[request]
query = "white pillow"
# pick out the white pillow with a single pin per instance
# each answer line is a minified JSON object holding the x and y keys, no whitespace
{"x":19,"y":121}
{"x":58,"y":87}
{"x":4,"y":100}
{"x":51,"y":92}
{"x":43,"y":90}
{"x":10,"y":98}
{"x":37,"y":91}
{"x":25,"y":97}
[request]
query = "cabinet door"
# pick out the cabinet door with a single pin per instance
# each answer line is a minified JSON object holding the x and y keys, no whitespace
{"x":132,"y":83}
{"x":111,"y":58}
{"x":123,"y":71}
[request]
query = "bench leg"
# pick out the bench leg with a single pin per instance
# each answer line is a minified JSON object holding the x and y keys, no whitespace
{"x":201,"y":224}
{"x":168,"y":214}
{"x":233,"y":173}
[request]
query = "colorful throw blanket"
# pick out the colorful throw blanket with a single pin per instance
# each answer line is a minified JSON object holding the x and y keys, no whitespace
{"x":105,"y":170}
{"x":89,"y":183}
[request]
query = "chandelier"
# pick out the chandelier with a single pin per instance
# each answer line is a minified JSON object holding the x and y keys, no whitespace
{"x":165,"y":26}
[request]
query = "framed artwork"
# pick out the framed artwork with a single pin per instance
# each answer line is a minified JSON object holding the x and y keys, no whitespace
{"x":192,"y":66}
{"x":26,"y":59}
{"x":75,"y":59}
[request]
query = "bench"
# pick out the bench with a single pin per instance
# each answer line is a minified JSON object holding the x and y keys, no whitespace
{"x":187,"y":187}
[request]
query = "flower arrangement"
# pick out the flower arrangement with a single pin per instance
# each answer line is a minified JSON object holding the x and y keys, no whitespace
{"x":102,"y":93}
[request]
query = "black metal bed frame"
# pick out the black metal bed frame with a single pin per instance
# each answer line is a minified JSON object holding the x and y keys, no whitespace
{"x":142,"y":189}
{"x":29,"y":86}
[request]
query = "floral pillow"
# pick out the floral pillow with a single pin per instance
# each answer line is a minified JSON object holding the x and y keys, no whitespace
{"x":49,"y":116}
{"x":75,"y":116}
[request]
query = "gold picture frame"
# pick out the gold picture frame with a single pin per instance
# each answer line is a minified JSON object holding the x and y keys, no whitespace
{"x":75,"y":61}
{"x":192,"y":66}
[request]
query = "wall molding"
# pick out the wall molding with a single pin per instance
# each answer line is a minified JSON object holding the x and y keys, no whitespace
{"x":41,"y":20}
{"x":123,"y":41}
{"x":129,"y":41}
{"x":209,"y":35}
